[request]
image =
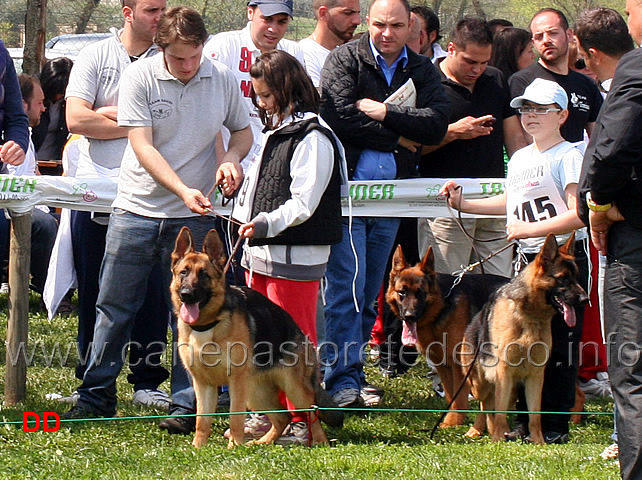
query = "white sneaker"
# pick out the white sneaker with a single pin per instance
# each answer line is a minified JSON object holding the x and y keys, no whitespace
{"x":611,"y":452}
{"x":596,"y":388}
{"x":71,"y":399}
{"x":295,"y":434}
{"x":602,"y":376}
{"x":152,"y":398}
{"x":256,"y":426}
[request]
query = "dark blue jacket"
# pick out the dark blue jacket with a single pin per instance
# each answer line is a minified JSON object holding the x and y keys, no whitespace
{"x":13,"y":120}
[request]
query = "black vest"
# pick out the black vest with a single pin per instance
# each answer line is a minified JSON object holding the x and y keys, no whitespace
{"x":273,"y":189}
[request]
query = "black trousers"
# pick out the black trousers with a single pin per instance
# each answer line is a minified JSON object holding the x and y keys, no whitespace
{"x":623,"y":321}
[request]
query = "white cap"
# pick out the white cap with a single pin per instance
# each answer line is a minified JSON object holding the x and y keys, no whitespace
{"x":542,"y":92}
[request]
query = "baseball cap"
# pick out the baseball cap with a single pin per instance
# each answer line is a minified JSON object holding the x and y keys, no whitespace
{"x":542,"y":92}
{"x":272,"y":7}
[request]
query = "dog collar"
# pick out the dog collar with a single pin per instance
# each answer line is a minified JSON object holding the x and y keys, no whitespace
{"x":203,"y":328}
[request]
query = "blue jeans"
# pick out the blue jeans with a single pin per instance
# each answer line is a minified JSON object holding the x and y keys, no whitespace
{"x":134,"y":244}
{"x":149,"y":335}
{"x":348,"y":331}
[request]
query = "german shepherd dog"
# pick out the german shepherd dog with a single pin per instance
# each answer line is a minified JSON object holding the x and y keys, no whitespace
{"x":435,"y":317}
{"x":235,"y":336}
{"x":512,"y":334}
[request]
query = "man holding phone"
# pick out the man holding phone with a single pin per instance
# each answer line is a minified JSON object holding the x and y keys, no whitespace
{"x":481,"y":123}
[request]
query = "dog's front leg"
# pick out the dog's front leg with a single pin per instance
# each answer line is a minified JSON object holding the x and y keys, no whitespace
{"x":238,"y":403}
{"x":533,"y":390}
{"x":206,"y":400}
{"x":503,"y":393}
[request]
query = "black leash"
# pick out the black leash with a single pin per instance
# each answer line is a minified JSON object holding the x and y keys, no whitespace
{"x":229,"y":219}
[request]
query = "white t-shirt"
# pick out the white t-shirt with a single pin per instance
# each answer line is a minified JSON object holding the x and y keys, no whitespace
{"x":315,"y":55}
{"x":535,"y":185}
{"x":185,"y":119}
{"x":237,"y":51}
{"x":95,"y":78}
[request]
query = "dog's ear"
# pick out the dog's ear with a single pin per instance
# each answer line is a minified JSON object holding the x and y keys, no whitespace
{"x":569,"y":247}
{"x":398,"y":260}
{"x":183,"y":246}
{"x":213,"y":248}
{"x":427,"y":264}
{"x":548,"y":252}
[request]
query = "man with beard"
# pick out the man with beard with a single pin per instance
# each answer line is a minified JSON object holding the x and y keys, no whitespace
{"x":551,"y":37}
{"x":336,"y":22}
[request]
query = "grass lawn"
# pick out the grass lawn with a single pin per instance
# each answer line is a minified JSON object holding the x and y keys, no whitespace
{"x":378,"y":444}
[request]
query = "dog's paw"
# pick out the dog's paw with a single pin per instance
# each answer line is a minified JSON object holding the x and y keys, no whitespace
{"x":453,"y":420}
{"x":473,"y":433}
{"x":198,"y":443}
{"x":231,"y":444}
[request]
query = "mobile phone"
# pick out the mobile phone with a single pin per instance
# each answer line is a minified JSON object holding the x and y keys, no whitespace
{"x":490,"y":122}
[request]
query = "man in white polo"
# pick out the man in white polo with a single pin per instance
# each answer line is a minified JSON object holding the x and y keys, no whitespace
{"x":238,"y":49}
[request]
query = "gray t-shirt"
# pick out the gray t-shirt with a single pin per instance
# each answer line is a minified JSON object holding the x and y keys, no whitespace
{"x":95,"y":78}
{"x":185,"y":120}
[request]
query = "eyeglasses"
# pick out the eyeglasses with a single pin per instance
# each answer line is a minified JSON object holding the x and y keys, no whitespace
{"x":580,"y":64}
{"x":537,"y":110}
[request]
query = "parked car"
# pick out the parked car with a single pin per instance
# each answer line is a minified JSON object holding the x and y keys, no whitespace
{"x":67,"y":45}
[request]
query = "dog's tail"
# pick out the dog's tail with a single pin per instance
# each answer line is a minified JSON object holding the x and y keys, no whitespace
{"x":333,"y":417}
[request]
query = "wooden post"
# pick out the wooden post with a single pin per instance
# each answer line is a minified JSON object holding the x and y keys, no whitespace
{"x":17,"y":330}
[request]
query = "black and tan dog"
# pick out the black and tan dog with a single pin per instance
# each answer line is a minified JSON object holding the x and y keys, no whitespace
{"x":513,"y":336}
{"x":435,"y":317}
{"x":235,"y":336}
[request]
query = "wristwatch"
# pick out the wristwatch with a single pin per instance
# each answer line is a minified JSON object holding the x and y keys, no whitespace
{"x":594,"y":206}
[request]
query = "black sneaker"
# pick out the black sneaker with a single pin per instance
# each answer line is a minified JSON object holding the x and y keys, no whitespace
{"x":556,"y":437}
{"x":178,"y":425}
{"x":552,"y":438}
{"x":81,"y":411}
{"x":224,"y":399}
{"x":519,"y":432}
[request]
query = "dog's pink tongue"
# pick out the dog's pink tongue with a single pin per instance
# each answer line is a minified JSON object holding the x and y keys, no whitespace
{"x":569,"y":315}
{"x":409,"y":334}
{"x":190,"y":312}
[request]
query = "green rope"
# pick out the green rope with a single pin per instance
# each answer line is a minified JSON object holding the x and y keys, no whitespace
{"x":312,"y":409}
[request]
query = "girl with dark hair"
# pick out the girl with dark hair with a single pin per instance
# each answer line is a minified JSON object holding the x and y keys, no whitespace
{"x":512,"y":50}
{"x":290,"y":199}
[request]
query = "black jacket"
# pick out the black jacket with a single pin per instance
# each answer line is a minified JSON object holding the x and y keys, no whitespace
{"x":273,"y":189}
{"x":612,"y":168}
{"x":351,"y":73}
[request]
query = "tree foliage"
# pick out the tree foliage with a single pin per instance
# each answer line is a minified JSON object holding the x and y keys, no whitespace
{"x":79,"y":16}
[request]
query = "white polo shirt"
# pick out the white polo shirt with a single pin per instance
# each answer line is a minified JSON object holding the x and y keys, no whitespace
{"x":95,"y":78}
{"x":237,"y":51}
{"x":185,"y":119}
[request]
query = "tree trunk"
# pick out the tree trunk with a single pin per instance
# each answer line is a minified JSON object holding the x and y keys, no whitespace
{"x":436,"y":6}
{"x":206,"y":4}
{"x":461,"y":10}
{"x":479,"y":11}
{"x":85,"y":15}
{"x":35,"y":30}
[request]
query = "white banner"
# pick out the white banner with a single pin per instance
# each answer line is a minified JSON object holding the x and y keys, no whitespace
{"x":417,"y":197}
